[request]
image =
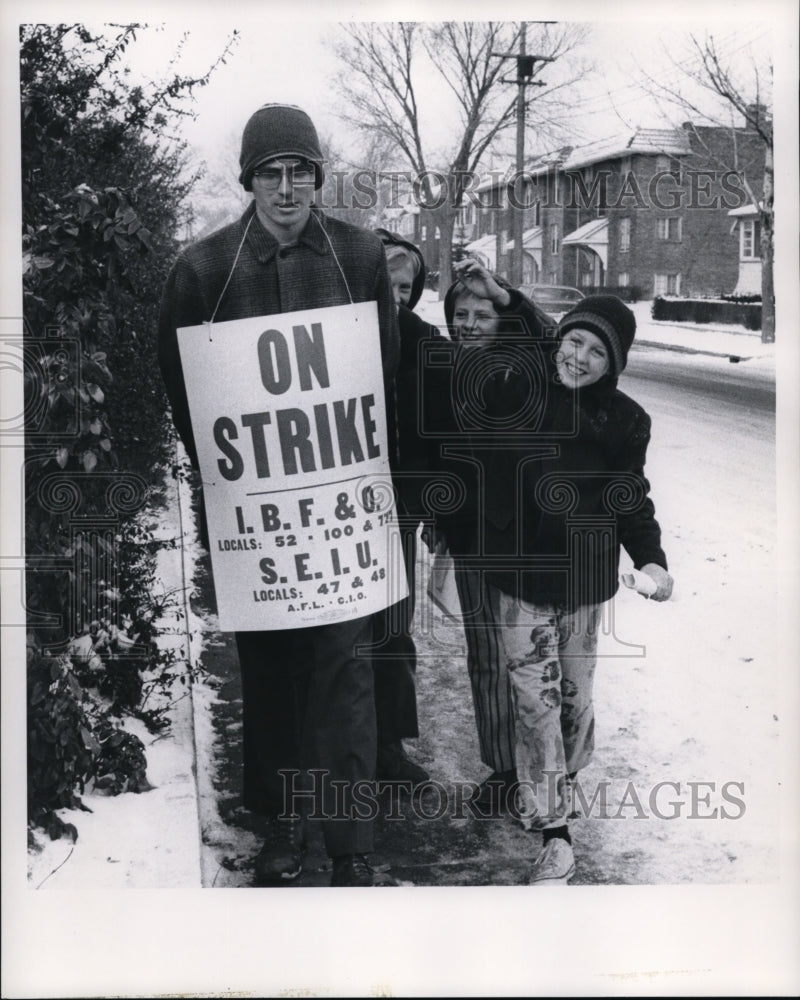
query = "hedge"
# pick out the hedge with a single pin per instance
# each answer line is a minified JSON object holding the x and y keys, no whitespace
{"x":746,"y":314}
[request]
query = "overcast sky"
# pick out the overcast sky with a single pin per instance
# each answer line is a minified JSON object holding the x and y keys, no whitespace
{"x":285,"y":53}
{"x":277,"y":59}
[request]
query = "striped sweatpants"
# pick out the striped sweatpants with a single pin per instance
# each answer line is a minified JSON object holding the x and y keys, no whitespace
{"x":531,"y":668}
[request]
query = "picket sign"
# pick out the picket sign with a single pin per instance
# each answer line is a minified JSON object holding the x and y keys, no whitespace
{"x":289,"y":419}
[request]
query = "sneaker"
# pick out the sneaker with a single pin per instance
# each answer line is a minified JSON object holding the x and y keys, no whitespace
{"x":492,"y":792}
{"x":281,"y":857}
{"x":395,"y":765}
{"x":555,"y":864}
{"x":352,"y":871}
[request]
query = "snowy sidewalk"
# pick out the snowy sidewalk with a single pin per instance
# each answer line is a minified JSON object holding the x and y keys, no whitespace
{"x":149,"y":840}
{"x":174,"y":837}
{"x":699,"y":338}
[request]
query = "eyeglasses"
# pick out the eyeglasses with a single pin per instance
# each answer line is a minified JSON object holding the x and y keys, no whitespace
{"x":271,"y":177}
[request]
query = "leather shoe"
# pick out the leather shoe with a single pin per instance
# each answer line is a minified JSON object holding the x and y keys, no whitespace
{"x":352,"y":871}
{"x":395,"y":765}
{"x":281,"y":856}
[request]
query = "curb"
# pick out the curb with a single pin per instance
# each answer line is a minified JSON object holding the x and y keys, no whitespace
{"x":682,"y":349}
{"x":186,"y":524}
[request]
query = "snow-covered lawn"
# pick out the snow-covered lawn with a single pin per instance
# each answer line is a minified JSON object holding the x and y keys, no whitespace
{"x":150,"y":839}
{"x":722,"y":339}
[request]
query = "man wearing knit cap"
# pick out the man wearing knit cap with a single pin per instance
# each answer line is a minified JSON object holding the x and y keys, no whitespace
{"x":307,"y":695}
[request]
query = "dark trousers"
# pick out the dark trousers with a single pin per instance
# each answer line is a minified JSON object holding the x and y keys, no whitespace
{"x":308,"y":702}
{"x":492,"y":694}
{"x":394,"y":658}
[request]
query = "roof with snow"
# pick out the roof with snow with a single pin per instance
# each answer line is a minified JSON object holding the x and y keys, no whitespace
{"x":746,"y":210}
{"x":531,"y":239}
{"x":670,"y":141}
{"x":667,"y":141}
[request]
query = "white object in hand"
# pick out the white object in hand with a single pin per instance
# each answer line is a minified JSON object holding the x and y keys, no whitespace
{"x":640,"y":582}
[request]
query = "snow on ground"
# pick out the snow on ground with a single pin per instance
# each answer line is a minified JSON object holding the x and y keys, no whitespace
{"x":687,"y":735}
{"x":696,"y":706}
{"x":219,"y":840}
{"x":150,"y":839}
{"x":702,"y":704}
{"x":722,"y":339}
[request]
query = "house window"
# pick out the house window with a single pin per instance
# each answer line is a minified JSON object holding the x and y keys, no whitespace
{"x":749,"y":239}
{"x":537,"y":213}
{"x":623,"y":279}
{"x":624,"y":235}
{"x":437,"y":233}
{"x":625,"y":165}
{"x":424,"y":233}
{"x":669,"y":229}
{"x":554,"y":238}
{"x":667,"y":284}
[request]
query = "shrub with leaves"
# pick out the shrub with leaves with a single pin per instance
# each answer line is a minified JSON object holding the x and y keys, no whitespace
{"x":122,"y":765}
{"x":62,"y":749}
{"x":104,"y":185}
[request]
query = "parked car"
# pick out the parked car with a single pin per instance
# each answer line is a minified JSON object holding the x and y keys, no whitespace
{"x":554,"y":299}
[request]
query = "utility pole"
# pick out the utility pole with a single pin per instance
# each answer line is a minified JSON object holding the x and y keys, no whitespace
{"x":524,"y":78}
{"x":517,"y":214}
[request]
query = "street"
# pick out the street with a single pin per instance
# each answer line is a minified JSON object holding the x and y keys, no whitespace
{"x":712,"y":457}
{"x":698,"y":378}
{"x":676,"y":683}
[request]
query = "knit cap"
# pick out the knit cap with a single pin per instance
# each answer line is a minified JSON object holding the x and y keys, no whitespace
{"x":279,"y":130}
{"x":612,"y":321}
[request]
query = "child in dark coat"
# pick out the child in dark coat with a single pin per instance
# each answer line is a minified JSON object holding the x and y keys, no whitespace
{"x":558,"y":504}
{"x":394,"y":656}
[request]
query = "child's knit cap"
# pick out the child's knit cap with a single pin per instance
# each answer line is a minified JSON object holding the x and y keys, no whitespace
{"x":279,"y":130}
{"x":612,"y":321}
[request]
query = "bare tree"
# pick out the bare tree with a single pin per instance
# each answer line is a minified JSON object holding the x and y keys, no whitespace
{"x":740,"y":88}
{"x":352,"y":190}
{"x":383,"y":83}
{"x":218,"y":198}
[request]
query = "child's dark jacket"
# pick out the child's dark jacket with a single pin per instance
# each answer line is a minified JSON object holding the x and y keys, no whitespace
{"x":557,"y":495}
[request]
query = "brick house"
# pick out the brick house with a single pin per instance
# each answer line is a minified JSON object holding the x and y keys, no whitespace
{"x":648,"y":212}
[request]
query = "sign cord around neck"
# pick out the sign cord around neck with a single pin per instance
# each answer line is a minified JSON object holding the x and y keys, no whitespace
{"x":209,"y":322}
